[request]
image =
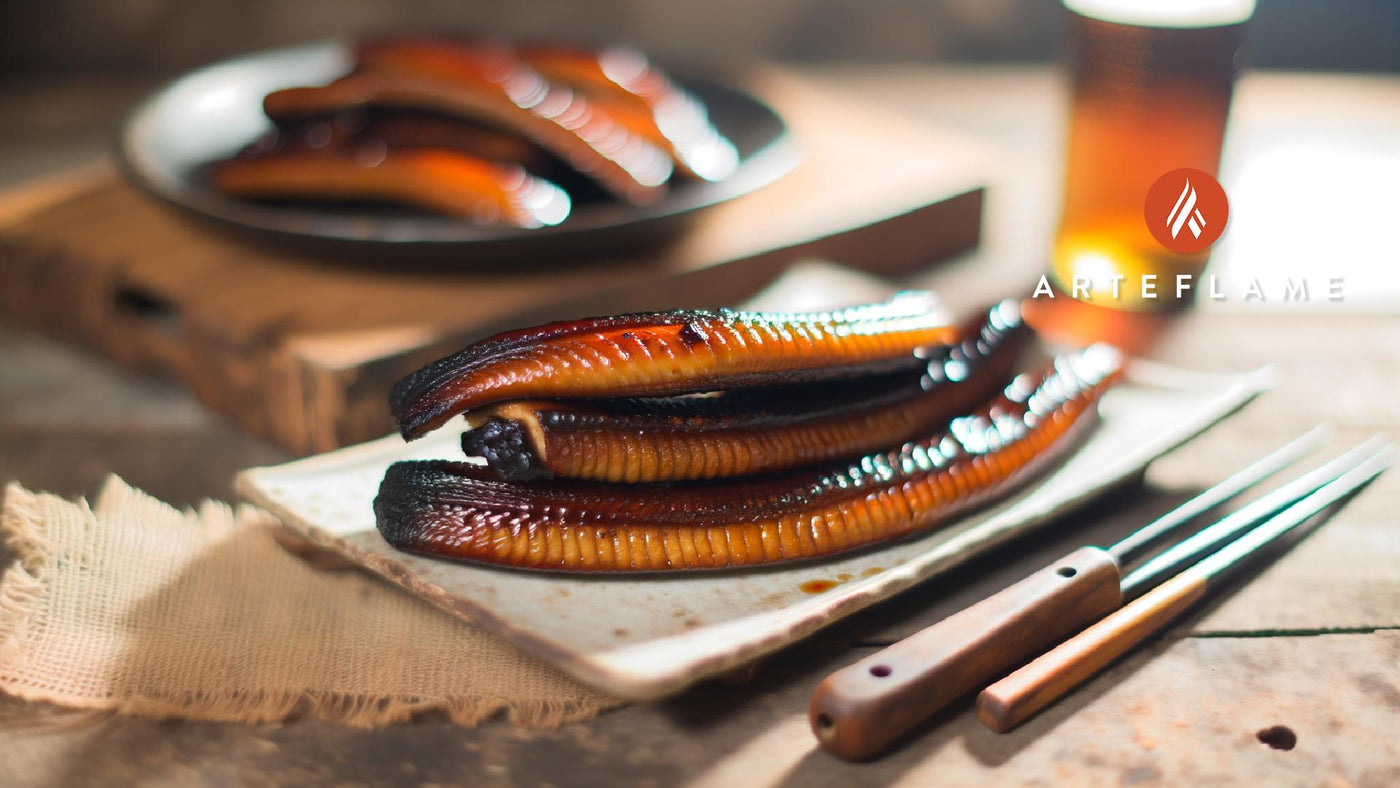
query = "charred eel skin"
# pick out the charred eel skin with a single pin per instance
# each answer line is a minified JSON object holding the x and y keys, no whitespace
{"x":670,"y":440}
{"x":437,"y":508}
{"x":666,"y":353}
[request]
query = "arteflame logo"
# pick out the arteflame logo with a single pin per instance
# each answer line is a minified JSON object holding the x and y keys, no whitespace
{"x":1186,"y":210}
{"x":1186,"y":206}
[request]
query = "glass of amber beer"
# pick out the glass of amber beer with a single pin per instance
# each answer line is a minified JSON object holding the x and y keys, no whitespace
{"x":1151,"y":82}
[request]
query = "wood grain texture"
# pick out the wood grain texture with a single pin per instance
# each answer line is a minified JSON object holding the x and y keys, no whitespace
{"x":1184,"y":710}
{"x":860,"y":710}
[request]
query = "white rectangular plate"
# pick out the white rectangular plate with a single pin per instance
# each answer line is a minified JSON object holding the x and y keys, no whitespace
{"x":648,"y":636}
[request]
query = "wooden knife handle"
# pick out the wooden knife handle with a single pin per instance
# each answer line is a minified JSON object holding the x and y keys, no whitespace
{"x":859,"y":710}
{"x":1016,"y":698}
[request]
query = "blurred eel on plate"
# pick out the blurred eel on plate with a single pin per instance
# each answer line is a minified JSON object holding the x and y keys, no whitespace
{"x":441,"y":508}
{"x":630,"y":87}
{"x":442,"y":181}
{"x":750,"y":431}
{"x":488,"y":84}
{"x":499,"y":134}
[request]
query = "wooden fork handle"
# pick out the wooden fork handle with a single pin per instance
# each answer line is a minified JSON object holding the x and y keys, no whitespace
{"x":1019,"y":696}
{"x":859,"y":710}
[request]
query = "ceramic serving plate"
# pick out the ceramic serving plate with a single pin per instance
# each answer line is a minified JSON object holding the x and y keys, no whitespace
{"x":646,"y":636}
{"x":211,"y":113}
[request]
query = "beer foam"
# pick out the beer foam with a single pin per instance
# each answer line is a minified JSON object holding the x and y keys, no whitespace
{"x":1165,"y":13}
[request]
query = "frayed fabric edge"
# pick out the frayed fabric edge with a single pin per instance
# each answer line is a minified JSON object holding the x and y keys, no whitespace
{"x":350,"y":710}
{"x":21,"y":587}
{"x":22,"y":582}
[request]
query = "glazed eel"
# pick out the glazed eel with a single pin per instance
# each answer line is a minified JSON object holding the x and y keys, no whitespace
{"x":444,"y":181}
{"x":435,"y":508}
{"x":650,"y":440}
{"x":620,"y":84}
{"x":489,"y":84}
{"x":627,"y":84}
{"x":666,"y":353}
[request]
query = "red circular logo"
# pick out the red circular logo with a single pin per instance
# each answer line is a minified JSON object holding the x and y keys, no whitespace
{"x":1186,"y":210}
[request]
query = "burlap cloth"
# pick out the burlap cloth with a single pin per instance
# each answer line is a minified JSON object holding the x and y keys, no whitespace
{"x":134,"y":606}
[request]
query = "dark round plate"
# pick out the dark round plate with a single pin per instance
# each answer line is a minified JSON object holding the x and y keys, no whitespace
{"x":211,"y":113}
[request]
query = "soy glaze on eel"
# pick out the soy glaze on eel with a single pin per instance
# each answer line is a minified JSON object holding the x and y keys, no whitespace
{"x":750,"y":432}
{"x":667,"y":353}
{"x":488,"y":84}
{"x":437,"y":164}
{"x":437,"y":508}
{"x":442,"y":181}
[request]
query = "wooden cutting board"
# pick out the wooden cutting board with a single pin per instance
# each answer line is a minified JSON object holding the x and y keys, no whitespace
{"x":304,"y":349}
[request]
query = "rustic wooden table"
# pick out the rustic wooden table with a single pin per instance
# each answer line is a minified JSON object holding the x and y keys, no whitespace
{"x":1312,"y":643}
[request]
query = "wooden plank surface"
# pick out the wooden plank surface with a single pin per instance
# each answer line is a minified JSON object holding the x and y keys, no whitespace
{"x":1311,"y":643}
{"x":1181,"y":712}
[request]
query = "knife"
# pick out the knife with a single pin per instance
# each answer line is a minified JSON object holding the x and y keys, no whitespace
{"x":1014,"y":699}
{"x":859,"y":710}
